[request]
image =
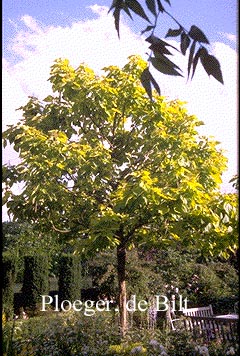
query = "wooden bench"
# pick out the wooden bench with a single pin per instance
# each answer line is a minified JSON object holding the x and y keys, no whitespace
{"x":200,"y":311}
{"x":206,"y":311}
{"x":213,"y":327}
{"x":204,"y":324}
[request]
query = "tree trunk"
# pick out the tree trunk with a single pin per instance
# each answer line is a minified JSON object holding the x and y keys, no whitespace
{"x":121,"y":267}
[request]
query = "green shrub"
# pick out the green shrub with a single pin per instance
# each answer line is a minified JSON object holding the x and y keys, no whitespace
{"x":9,"y":275}
{"x":211,"y":283}
{"x":69,"y":281}
{"x":35,"y":279}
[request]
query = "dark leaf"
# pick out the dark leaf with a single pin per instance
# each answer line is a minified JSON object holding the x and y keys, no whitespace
{"x":168,"y":1}
{"x":159,"y":48}
{"x":185,"y":42}
{"x":155,"y":84}
{"x":155,"y":40}
{"x":115,"y":3}
{"x":164,"y":67}
{"x":126,"y":9}
{"x":197,"y":35}
{"x":211,"y":66}
{"x":4,"y":143}
{"x":116,"y":15}
{"x":152,"y":39}
{"x":148,"y":28}
{"x":151,"y":6}
{"x":166,"y":60}
{"x":174,"y":33}
{"x":190,"y":58}
{"x":196,"y":58}
{"x":146,"y":82}
{"x":137,"y":8}
{"x":160,"y":7}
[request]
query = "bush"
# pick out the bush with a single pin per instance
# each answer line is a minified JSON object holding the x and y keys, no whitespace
{"x":9,"y":275}
{"x":211,"y":283}
{"x":35,"y":280}
{"x":69,"y":282}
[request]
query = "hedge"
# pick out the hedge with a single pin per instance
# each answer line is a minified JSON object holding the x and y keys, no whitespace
{"x":69,"y":282}
{"x":35,"y":279}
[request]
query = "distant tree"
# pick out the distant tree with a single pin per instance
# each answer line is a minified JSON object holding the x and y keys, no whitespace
{"x":194,"y":40}
{"x":103,"y":167}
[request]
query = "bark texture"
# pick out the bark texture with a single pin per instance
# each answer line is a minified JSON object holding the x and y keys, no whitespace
{"x":121,"y":266}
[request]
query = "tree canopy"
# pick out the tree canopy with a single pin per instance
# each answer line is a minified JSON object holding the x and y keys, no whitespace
{"x":103,"y":166}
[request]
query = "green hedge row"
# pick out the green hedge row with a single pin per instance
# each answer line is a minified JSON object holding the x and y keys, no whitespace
{"x":36,"y":280}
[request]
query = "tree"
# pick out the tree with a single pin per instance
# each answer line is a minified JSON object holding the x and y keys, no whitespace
{"x":193,"y":40}
{"x":103,"y":167}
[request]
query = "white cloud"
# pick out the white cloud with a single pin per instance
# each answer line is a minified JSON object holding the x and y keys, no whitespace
{"x":96,"y":43}
{"x":229,"y":36}
{"x":213,"y":103}
{"x":99,"y":10}
{"x":13,"y":97}
{"x":31,"y":23}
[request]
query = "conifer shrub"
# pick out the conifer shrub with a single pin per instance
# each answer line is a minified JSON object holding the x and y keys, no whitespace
{"x":35,"y":279}
{"x":69,"y":281}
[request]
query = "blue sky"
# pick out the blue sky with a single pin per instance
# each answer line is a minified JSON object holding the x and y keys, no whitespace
{"x":35,"y":33}
{"x":215,"y":17}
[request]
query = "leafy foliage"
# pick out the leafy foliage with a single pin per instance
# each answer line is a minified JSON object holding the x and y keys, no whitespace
{"x":99,"y":173}
{"x":235,"y":181}
{"x":104,"y":167}
{"x":194,"y":39}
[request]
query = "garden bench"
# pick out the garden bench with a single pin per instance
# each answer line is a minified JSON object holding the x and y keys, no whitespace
{"x":186,"y":322}
{"x":220,"y":327}
{"x":203,"y":323}
{"x":175,"y":323}
{"x":200,"y":311}
{"x":190,"y":322}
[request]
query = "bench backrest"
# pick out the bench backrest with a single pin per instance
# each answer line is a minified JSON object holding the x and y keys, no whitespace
{"x":201,"y":311}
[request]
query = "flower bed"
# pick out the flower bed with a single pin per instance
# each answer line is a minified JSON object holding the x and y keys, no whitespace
{"x":70,"y":334}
